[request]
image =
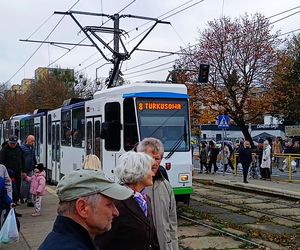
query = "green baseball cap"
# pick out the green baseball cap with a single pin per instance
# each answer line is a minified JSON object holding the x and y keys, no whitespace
{"x":86,"y":182}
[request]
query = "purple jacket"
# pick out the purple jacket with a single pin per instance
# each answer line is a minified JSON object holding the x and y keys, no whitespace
{"x":38,"y":183}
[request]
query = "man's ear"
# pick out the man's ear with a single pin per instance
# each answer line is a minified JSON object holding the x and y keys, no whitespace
{"x":82,"y":208}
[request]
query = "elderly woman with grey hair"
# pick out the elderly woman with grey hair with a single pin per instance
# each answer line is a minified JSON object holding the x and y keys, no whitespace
{"x":134,"y":228}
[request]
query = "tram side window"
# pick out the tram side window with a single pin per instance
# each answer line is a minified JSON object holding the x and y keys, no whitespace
{"x":49,"y":129}
{"x":31,"y":127}
{"x":41,"y":129}
{"x":66,"y":132}
{"x":130,"y":125}
{"x":113,"y":122}
{"x":17,"y":129}
{"x":89,"y":137}
{"x":78,"y":126}
{"x":97,"y":139}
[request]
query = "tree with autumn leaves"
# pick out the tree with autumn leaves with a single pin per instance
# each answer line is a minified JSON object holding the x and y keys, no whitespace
{"x":242,"y":55}
{"x":285,"y":89}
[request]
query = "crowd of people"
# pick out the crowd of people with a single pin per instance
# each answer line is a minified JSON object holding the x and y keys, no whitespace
{"x":138,"y":212}
{"x":94,"y":212}
{"x":22,"y":180}
{"x":260,"y":159}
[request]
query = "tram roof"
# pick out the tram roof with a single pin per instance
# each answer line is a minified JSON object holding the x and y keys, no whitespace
{"x":134,"y":89}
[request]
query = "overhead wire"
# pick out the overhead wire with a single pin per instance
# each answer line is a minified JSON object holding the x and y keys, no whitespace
{"x":153,"y":67}
{"x":151,"y":72}
{"x":277,"y":14}
{"x":125,"y":7}
{"x":168,"y":12}
{"x":160,"y":57}
{"x":40,"y":44}
{"x":145,"y":24}
{"x":285,"y":17}
{"x":177,"y":12}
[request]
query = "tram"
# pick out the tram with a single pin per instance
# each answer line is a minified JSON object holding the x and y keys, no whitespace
{"x":113,"y":122}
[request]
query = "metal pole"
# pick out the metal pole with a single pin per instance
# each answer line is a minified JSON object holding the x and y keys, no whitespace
{"x":223,"y":152}
{"x":290,"y":168}
{"x":234,"y":164}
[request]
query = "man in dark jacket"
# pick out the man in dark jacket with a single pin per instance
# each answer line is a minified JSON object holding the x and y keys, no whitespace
{"x":28,"y":163}
{"x":245,"y":155}
{"x":11,"y":158}
{"x":86,"y":209}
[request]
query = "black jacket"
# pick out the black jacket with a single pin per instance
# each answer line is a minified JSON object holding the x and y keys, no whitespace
{"x":11,"y":158}
{"x":67,"y":235}
{"x":245,"y":155}
{"x":131,"y":230}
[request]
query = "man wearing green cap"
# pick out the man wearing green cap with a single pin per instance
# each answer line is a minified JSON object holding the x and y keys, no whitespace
{"x":86,"y":209}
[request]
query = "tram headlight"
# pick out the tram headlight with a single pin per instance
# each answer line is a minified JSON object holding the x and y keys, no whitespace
{"x":183,"y":178}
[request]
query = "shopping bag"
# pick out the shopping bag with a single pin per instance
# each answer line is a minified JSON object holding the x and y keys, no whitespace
{"x":9,"y":231}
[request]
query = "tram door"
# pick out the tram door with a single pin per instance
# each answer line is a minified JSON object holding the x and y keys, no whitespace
{"x":55,"y":151}
{"x":93,"y":141}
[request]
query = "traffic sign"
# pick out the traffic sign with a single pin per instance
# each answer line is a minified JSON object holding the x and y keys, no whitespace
{"x":223,"y":121}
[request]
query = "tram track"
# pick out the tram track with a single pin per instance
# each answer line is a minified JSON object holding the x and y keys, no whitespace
{"x":244,"y":206}
{"x":221,"y":231}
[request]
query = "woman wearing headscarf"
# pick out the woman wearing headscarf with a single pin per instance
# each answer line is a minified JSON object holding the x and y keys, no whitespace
{"x":133,"y":228}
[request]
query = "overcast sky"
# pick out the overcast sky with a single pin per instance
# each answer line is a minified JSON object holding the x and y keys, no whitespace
{"x":34,"y":19}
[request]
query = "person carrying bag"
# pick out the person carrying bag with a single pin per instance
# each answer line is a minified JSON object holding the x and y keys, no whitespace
{"x":9,"y":230}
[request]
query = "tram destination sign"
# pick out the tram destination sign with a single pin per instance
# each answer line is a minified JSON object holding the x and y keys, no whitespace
{"x":292,"y":130}
{"x":159,"y":106}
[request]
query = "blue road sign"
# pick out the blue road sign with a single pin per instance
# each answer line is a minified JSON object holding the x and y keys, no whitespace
{"x":223,"y":121}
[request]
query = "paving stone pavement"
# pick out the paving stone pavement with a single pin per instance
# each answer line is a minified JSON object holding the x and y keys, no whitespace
{"x":35,"y":229}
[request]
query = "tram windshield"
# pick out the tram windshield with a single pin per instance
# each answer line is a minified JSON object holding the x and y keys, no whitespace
{"x":165,"y":119}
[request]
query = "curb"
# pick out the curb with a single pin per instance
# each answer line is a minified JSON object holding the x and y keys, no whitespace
{"x":250,"y":187}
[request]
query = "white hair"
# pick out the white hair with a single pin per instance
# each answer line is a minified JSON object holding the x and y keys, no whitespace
{"x":152,"y":143}
{"x":133,"y":167}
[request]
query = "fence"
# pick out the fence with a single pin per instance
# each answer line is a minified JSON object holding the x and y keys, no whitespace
{"x":288,"y":157}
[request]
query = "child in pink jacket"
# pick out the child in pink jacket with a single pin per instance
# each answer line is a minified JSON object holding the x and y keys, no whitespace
{"x":37,"y":187}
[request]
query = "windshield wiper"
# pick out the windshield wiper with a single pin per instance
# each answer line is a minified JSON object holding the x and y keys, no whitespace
{"x":175,"y":146}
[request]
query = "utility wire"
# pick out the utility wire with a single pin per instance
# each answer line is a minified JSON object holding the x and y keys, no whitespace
{"x":69,"y":50}
{"x":283,"y":12}
{"x":285,"y":17}
{"x":40,"y":45}
{"x":126,"y":6}
{"x":86,"y":37}
{"x":277,"y":14}
{"x":160,"y":57}
{"x":144,"y":25}
{"x":292,"y":31}
{"x":152,"y":72}
{"x":161,"y":15}
{"x":177,"y":12}
{"x":181,"y":39}
{"x":40,"y":26}
{"x":153,"y":67}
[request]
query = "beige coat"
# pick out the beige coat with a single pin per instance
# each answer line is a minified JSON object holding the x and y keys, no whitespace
{"x":164,"y":213}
